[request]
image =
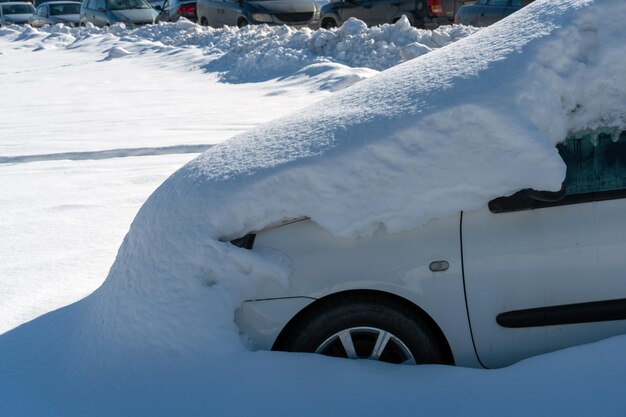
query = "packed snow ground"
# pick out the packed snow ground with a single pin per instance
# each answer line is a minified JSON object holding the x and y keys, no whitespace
{"x":158,"y":339}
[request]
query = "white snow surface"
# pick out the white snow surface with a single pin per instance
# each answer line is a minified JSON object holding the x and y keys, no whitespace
{"x":444,"y":132}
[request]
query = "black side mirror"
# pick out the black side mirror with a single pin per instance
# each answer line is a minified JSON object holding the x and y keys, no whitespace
{"x":546,"y":196}
{"x":526,"y":199}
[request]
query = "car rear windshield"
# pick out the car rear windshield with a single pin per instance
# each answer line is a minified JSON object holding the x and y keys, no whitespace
{"x":62,"y":9}
{"x":127,"y":4}
{"x":17,"y":9}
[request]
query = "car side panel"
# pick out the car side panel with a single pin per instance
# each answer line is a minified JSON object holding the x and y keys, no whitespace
{"x":359,"y":9}
{"x":322,"y":264}
{"x":547,"y":257}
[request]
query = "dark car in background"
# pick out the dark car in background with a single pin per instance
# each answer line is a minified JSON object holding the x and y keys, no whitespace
{"x":487,"y":12}
{"x":427,"y":14}
{"x":172,"y":10}
{"x":218,"y":13}
{"x":16,"y":13}
{"x":108,"y":12}
{"x":51,"y":13}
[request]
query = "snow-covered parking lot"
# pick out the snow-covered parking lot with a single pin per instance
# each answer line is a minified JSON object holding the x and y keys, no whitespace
{"x":92,"y":121}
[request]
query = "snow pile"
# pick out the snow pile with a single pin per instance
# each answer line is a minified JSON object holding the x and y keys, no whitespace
{"x":425,"y":139}
{"x":257,"y":53}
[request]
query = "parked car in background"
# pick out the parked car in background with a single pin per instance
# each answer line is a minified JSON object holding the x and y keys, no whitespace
{"x":218,"y":13}
{"x":427,"y":14}
{"x":15,"y":13}
{"x":529,"y":273}
{"x":108,"y":12}
{"x":171,"y":10}
{"x":487,"y":12}
{"x":51,"y":13}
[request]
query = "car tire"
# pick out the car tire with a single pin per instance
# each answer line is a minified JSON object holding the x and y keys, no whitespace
{"x":364,"y":326}
{"x":242,"y":22}
{"x":204,"y":21}
{"x":328,"y":23}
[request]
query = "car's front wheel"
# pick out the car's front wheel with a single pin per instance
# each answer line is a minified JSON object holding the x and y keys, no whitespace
{"x":364,"y":326}
{"x":328,"y":23}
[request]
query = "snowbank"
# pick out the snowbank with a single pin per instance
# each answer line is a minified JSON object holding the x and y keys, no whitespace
{"x":425,"y":139}
{"x":254,"y":53}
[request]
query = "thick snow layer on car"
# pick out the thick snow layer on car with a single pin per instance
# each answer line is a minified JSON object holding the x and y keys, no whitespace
{"x":435,"y":135}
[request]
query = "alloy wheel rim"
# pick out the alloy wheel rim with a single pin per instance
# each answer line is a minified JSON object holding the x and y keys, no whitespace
{"x":366,"y":342}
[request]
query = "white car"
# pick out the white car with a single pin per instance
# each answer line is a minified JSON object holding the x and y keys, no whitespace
{"x":15,"y":12}
{"x":529,"y":273}
{"x":54,"y":12}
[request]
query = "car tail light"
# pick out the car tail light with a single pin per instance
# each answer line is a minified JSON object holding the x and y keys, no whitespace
{"x":434,"y":8}
{"x":187,"y":9}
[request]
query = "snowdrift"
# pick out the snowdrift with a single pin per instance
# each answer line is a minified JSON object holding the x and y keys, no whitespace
{"x":255,"y":53}
{"x":424,"y":139}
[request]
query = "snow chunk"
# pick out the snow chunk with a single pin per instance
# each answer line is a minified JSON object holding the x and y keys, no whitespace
{"x":117,"y":52}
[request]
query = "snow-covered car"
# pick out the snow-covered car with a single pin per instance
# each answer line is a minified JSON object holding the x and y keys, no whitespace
{"x":51,"y":13}
{"x":108,"y":12}
{"x":529,"y":273}
{"x":218,"y":13}
{"x":487,"y":12}
{"x":15,"y":13}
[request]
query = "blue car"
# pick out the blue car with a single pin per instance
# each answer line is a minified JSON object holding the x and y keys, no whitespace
{"x":487,"y":12}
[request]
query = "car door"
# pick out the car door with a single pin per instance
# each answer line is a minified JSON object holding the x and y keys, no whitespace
{"x":230,"y":12}
{"x":40,"y":17}
{"x":359,"y":9}
{"x":216,"y":12}
{"x":100,"y":17}
{"x":164,"y":13}
{"x":543,"y":278}
{"x":383,"y":11}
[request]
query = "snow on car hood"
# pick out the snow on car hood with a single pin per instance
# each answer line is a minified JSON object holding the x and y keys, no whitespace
{"x":445,"y":132}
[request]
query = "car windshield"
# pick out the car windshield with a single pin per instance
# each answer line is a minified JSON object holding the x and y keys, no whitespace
{"x":67,"y":8}
{"x":127,"y":4}
{"x":17,"y":9}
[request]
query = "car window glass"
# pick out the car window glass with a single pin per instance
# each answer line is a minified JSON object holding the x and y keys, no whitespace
{"x":18,"y":9}
{"x":498,"y":2}
{"x":41,"y":10}
{"x":64,"y":9}
{"x":99,"y":4}
{"x":596,"y":162}
{"x":516,"y":3}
